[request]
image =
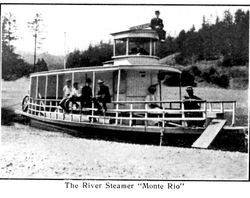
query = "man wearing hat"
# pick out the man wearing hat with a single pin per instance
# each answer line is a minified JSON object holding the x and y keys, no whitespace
{"x":157,"y":24}
{"x":190,"y":93}
{"x":103,"y":96}
{"x":191,"y":103}
{"x":86,"y":98}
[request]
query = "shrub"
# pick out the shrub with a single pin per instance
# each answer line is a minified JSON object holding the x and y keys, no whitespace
{"x":187,"y":79}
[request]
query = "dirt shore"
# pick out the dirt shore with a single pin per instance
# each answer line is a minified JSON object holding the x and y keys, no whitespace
{"x":27,"y":152}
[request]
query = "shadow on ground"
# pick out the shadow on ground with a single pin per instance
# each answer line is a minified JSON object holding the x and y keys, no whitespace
{"x":8,"y":117}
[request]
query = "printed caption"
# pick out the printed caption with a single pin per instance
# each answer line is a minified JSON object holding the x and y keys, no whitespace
{"x":124,"y":185}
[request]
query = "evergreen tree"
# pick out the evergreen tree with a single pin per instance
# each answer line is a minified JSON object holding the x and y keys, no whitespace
{"x":36,"y":29}
{"x":41,"y":65}
{"x":13,"y":66}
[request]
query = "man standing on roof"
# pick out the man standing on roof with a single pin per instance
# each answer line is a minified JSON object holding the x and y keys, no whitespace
{"x":157,"y":24}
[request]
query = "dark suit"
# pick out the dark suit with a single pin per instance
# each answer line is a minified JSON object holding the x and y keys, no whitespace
{"x":138,"y":50}
{"x":86,"y":98}
{"x":158,"y":22}
{"x":103,"y":96}
{"x":192,"y":105}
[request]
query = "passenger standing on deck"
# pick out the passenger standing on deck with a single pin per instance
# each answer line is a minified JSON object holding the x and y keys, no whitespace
{"x":103,"y":96}
{"x":66,"y":93}
{"x":157,"y":24}
{"x":86,"y":98}
{"x":191,"y":102}
{"x":151,"y":97}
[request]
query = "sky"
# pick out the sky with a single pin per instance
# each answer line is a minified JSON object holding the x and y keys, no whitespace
{"x":69,"y":27}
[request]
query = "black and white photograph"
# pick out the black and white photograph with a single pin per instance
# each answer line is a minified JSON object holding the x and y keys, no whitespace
{"x":123,"y":92}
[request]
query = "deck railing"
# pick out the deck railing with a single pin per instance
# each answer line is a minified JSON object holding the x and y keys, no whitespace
{"x":173,"y":112}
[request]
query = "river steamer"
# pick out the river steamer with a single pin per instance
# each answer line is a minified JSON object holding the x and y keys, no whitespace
{"x":128,"y":77}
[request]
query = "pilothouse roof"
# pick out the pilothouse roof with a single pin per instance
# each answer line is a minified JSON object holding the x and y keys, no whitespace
{"x":136,"y":33}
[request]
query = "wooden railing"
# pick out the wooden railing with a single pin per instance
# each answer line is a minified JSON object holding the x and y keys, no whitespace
{"x":173,"y":112}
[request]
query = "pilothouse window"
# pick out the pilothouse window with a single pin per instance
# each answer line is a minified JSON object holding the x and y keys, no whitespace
{"x":134,"y":46}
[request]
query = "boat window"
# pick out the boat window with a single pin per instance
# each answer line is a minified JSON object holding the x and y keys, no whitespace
{"x":120,"y":47}
{"x":51,"y":88}
{"x":41,"y":87}
{"x":33,"y":87}
{"x":139,"y":46}
{"x":62,"y":82}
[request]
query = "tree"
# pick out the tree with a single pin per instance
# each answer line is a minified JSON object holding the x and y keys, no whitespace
{"x":36,"y":29}
{"x":41,"y":65}
{"x":13,"y":66}
{"x":8,"y":30}
{"x":93,"y":56}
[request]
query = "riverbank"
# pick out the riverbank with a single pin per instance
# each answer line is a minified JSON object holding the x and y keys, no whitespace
{"x":32,"y":153}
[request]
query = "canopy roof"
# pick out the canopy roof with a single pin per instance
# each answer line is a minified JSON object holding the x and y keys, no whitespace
{"x":109,"y":68}
{"x":136,"y":33}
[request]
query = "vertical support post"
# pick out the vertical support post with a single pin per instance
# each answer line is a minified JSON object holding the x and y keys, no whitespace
{"x":154,"y":48}
{"x":93,"y":95}
{"x":118,"y":85}
{"x":130,"y":115}
{"x":210,"y":106}
{"x":161,"y":136}
{"x":205,"y":110}
{"x":150,"y":47}
{"x":73,"y":80}
{"x":118,"y":95}
{"x":57,"y":83}
{"x":160,"y":90}
{"x":45,"y":94}
{"x":114,"y":45}
{"x":163,"y":118}
{"x":127,"y":46}
{"x":50,"y":103}
{"x":182,"y":114}
{"x":36,"y":101}
{"x":222,"y":107}
{"x":233,"y":116}
{"x":36,"y":87}
{"x":29,"y":106}
{"x":146,"y":115}
{"x":180,"y":86}
{"x":73,"y":77}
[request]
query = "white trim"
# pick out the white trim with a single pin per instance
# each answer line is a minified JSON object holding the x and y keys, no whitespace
{"x":109,"y":68}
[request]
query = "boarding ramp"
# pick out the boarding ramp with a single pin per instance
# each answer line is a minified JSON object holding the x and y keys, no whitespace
{"x":209,"y":134}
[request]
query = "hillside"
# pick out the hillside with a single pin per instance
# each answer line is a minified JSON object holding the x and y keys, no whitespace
{"x":53,"y":61}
